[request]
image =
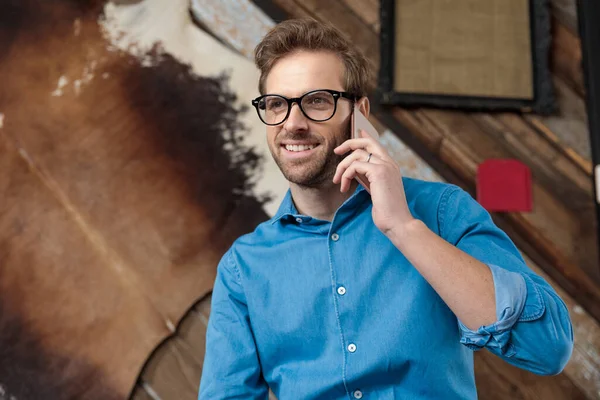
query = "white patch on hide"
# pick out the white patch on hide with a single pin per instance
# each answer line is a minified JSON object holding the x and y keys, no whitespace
{"x":88,"y":72}
{"x":167,"y":27}
{"x":87,"y":75}
{"x":1,"y":120}
{"x":62,"y":82}
{"x":77,"y":27}
{"x":77,"y":86}
{"x":170,"y":325}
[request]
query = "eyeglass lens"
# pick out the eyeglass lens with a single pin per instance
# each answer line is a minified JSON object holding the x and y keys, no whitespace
{"x":318,"y":106}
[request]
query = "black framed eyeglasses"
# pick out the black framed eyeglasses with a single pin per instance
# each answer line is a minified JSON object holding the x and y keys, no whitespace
{"x":317,"y":105}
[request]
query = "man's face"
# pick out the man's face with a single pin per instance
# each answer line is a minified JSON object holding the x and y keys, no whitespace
{"x":292,"y":76}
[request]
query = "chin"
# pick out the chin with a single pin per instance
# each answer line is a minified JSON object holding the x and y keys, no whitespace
{"x":309,"y":180}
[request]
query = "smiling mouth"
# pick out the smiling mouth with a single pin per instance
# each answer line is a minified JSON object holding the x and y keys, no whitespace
{"x":297,"y":148}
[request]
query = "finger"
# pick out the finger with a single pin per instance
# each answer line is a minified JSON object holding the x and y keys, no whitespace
{"x":353,"y":144}
{"x":367,"y":144}
{"x":357,"y":155}
{"x":357,"y":167}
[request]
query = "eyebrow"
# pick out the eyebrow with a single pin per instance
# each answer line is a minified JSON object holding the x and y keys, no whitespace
{"x":308,"y":91}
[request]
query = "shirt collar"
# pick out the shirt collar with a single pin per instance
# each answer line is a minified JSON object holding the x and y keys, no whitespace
{"x":287,"y":209}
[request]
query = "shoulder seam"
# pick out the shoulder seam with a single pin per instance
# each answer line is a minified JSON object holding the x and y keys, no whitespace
{"x":233,"y":265}
{"x":441,"y":211}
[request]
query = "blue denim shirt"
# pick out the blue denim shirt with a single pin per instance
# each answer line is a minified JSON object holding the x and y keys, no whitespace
{"x":333,"y":310}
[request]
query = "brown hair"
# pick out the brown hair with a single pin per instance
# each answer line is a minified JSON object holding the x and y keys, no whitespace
{"x":308,"y":34}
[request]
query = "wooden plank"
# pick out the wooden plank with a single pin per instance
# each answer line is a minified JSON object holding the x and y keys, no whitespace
{"x":203,"y":307}
{"x":531,"y":144}
{"x":569,"y":125}
{"x":497,"y":380}
{"x":566,"y":57}
{"x":367,"y":10}
{"x":290,"y":7}
{"x":343,"y":18}
{"x":173,"y":371}
{"x":239,"y":30}
{"x":583,"y":163}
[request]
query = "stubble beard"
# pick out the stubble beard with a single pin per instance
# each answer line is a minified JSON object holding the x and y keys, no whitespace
{"x":319,"y":170}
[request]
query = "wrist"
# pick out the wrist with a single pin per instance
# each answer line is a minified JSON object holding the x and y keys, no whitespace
{"x":404,"y":230}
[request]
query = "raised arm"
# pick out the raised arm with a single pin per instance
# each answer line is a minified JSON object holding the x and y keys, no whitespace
{"x":532,"y":328}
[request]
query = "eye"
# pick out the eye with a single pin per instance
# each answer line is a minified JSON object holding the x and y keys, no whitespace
{"x":318,"y":100}
{"x":275,"y":104}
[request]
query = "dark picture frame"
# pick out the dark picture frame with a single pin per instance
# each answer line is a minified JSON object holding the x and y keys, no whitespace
{"x":588,"y":13}
{"x":543,"y":101}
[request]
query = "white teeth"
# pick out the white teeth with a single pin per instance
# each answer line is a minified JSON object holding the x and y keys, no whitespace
{"x":299,"y":147}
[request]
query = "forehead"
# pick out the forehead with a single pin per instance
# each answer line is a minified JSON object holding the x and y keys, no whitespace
{"x":303,"y":71}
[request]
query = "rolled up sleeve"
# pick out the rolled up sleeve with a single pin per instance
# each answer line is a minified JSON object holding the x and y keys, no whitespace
{"x":511,"y":295}
{"x":533,"y":328}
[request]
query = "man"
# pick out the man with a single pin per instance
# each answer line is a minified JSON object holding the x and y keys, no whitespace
{"x":346,"y":294}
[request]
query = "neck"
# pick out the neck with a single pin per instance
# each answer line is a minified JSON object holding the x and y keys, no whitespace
{"x":320,"y":203}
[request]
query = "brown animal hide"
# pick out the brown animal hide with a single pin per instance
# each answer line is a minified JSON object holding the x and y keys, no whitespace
{"x":120,"y":188}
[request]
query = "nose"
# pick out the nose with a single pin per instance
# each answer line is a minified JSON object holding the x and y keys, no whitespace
{"x":296,"y":121}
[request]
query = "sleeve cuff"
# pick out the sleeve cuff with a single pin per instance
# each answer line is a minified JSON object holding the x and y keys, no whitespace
{"x":511,"y":292}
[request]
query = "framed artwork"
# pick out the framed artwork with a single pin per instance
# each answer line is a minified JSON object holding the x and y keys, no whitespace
{"x":471,"y":54}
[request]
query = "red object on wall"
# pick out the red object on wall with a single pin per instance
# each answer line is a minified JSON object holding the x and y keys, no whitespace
{"x":504,"y":185}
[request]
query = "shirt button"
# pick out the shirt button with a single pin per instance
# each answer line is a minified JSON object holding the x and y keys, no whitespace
{"x":358,"y":394}
{"x":351,"y":347}
{"x":299,"y":220}
{"x":341,"y":290}
{"x":335,"y":237}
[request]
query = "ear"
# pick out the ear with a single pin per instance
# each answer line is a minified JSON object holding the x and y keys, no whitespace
{"x":364,"y":106}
